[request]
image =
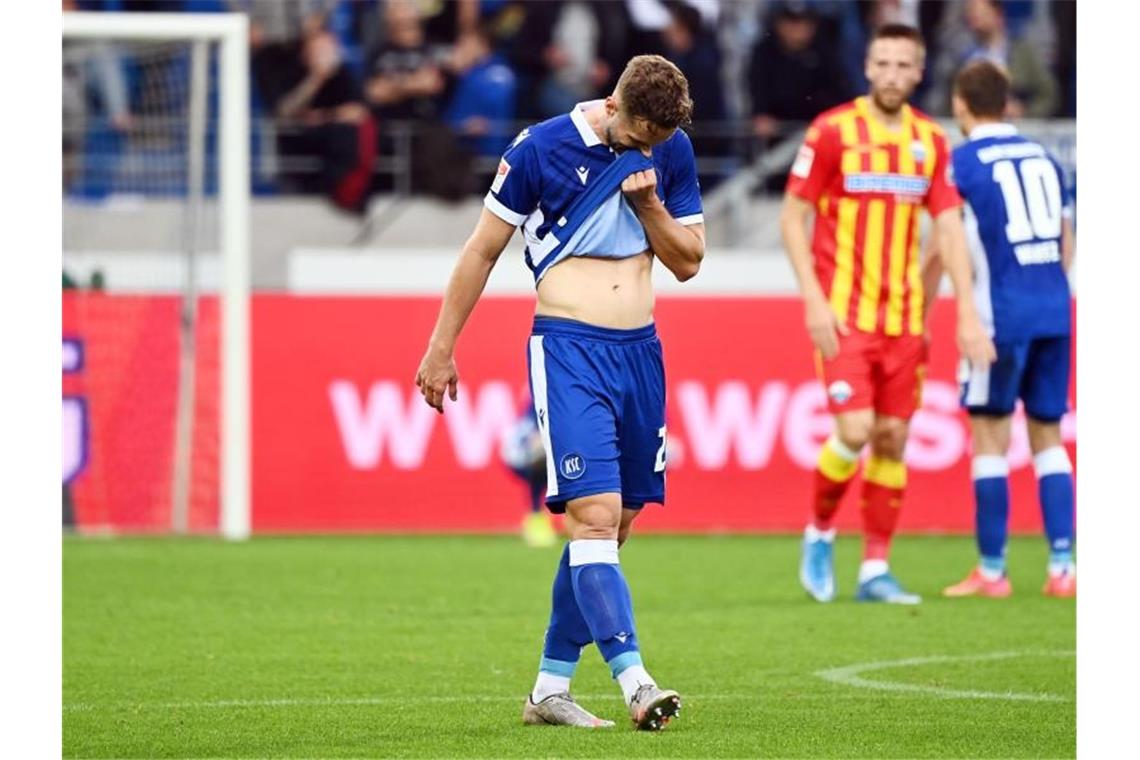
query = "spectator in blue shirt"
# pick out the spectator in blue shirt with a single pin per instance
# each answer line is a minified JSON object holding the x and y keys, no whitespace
{"x":482,"y":106}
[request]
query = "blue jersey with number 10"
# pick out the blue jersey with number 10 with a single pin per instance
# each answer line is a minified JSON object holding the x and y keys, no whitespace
{"x":1015,"y":201}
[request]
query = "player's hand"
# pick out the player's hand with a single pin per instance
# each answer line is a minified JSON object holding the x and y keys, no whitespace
{"x":437,"y":375}
{"x":974,"y":343}
{"x":641,"y":188}
{"x":823,"y":326}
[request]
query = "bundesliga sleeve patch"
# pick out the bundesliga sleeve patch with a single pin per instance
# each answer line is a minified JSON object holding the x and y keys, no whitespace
{"x":804,"y":159}
{"x":500,"y":176}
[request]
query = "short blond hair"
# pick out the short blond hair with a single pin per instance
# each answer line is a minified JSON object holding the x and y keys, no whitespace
{"x":654,"y":89}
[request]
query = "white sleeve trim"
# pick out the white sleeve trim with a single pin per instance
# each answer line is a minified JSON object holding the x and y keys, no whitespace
{"x":501,"y":211}
{"x":690,"y":219}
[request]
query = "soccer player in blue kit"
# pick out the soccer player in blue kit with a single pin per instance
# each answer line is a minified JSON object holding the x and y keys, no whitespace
{"x":599,"y":192}
{"x":1018,"y":224}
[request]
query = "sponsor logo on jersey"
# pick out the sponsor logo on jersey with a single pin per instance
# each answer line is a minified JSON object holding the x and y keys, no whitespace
{"x":840,"y":391}
{"x":572,"y":466}
{"x":919,"y":150}
{"x":804,"y":159}
{"x":583,"y":173}
{"x":500,"y":176}
{"x":897,"y":184}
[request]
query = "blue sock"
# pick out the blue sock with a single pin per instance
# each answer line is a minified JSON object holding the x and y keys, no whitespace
{"x":603,"y":597}
{"x":567,"y":632}
{"x":991,"y":510}
{"x":1055,"y":490}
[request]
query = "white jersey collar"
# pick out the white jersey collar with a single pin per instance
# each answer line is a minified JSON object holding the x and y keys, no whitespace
{"x":996,"y":129}
{"x":577,"y":115}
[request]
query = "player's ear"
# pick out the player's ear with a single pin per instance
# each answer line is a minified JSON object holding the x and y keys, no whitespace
{"x":612,"y":105}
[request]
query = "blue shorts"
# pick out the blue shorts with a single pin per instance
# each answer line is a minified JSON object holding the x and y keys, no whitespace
{"x":599,"y":395}
{"x":1034,"y":370}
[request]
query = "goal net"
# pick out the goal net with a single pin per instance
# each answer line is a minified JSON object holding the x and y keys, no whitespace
{"x":155,"y":273}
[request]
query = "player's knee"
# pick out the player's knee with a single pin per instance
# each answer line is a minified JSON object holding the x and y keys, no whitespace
{"x":855,"y":432}
{"x":594,"y":518}
{"x":888,"y":439}
{"x":1043,"y":435}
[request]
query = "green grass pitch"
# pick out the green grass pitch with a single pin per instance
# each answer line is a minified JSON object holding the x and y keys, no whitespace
{"x":425,"y":646}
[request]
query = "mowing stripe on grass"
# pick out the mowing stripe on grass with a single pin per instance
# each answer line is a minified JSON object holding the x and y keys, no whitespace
{"x":849,"y":675}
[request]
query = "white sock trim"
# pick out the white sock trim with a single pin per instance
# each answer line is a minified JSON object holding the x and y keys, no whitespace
{"x":633,"y":678}
{"x":989,"y":466}
{"x":1052,"y":461}
{"x":841,"y":449}
{"x":812,"y":533}
{"x":594,"y":551}
{"x":872,"y":568}
{"x":548,"y":684}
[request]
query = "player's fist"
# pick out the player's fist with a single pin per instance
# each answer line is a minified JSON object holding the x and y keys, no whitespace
{"x":437,"y":375}
{"x":823,"y":326}
{"x":640,"y":188}
{"x":974,"y":343}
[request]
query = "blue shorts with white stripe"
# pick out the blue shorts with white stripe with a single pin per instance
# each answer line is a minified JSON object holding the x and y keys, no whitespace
{"x":1035,"y":370}
{"x":599,"y":396}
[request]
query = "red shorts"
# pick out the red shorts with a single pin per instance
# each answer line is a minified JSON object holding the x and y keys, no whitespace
{"x":874,"y":371}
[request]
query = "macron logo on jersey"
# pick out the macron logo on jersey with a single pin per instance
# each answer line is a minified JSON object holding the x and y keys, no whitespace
{"x":583,"y":173}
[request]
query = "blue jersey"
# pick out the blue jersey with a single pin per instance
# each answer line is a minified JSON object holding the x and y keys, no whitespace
{"x":551,"y":165}
{"x":1015,"y":201}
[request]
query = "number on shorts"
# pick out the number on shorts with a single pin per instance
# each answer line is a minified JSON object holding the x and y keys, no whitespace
{"x":659,"y":465}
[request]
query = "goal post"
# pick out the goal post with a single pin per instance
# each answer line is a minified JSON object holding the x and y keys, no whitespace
{"x":230,"y":32}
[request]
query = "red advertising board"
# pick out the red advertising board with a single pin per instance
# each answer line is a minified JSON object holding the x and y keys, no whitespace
{"x":343,"y":442}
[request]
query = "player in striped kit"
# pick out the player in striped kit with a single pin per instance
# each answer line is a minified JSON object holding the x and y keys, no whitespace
{"x":866,"y":170}
{"x":1018,"y":225}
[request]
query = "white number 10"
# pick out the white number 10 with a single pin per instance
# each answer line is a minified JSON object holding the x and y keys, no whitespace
{"x":1037,"y":211}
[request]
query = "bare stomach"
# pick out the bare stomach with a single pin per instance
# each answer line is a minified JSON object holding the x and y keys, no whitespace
{"x":615,"y":293}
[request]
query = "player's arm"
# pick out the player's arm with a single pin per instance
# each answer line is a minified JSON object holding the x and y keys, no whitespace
{"x":945,"y":206}
{"x":675,"y":227}
{"x":437,"y":372}
{"x":974,"y":342}
{"x":680,"y":247}
{"x":932,"y":271}
{"x":815,"y":167}
{"x":1068,"y":243}
{"x":822,"y":324}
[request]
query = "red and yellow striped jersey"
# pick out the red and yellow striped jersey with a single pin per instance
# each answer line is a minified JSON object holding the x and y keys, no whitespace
{"x":868,"y":182}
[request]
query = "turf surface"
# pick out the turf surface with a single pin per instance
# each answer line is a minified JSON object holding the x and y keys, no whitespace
{"x":409,"y":646}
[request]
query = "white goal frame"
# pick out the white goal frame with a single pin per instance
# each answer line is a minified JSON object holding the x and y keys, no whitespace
{"x":231,"y":32}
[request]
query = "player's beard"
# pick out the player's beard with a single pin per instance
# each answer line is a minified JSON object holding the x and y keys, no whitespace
{"x":890,"y":103}
{"x":614,"y":145}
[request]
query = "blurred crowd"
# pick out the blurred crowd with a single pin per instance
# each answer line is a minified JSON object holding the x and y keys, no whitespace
{"x":445,"y":83}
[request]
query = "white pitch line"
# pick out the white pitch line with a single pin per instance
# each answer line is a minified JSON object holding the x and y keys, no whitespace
{"x":850,"y":676}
